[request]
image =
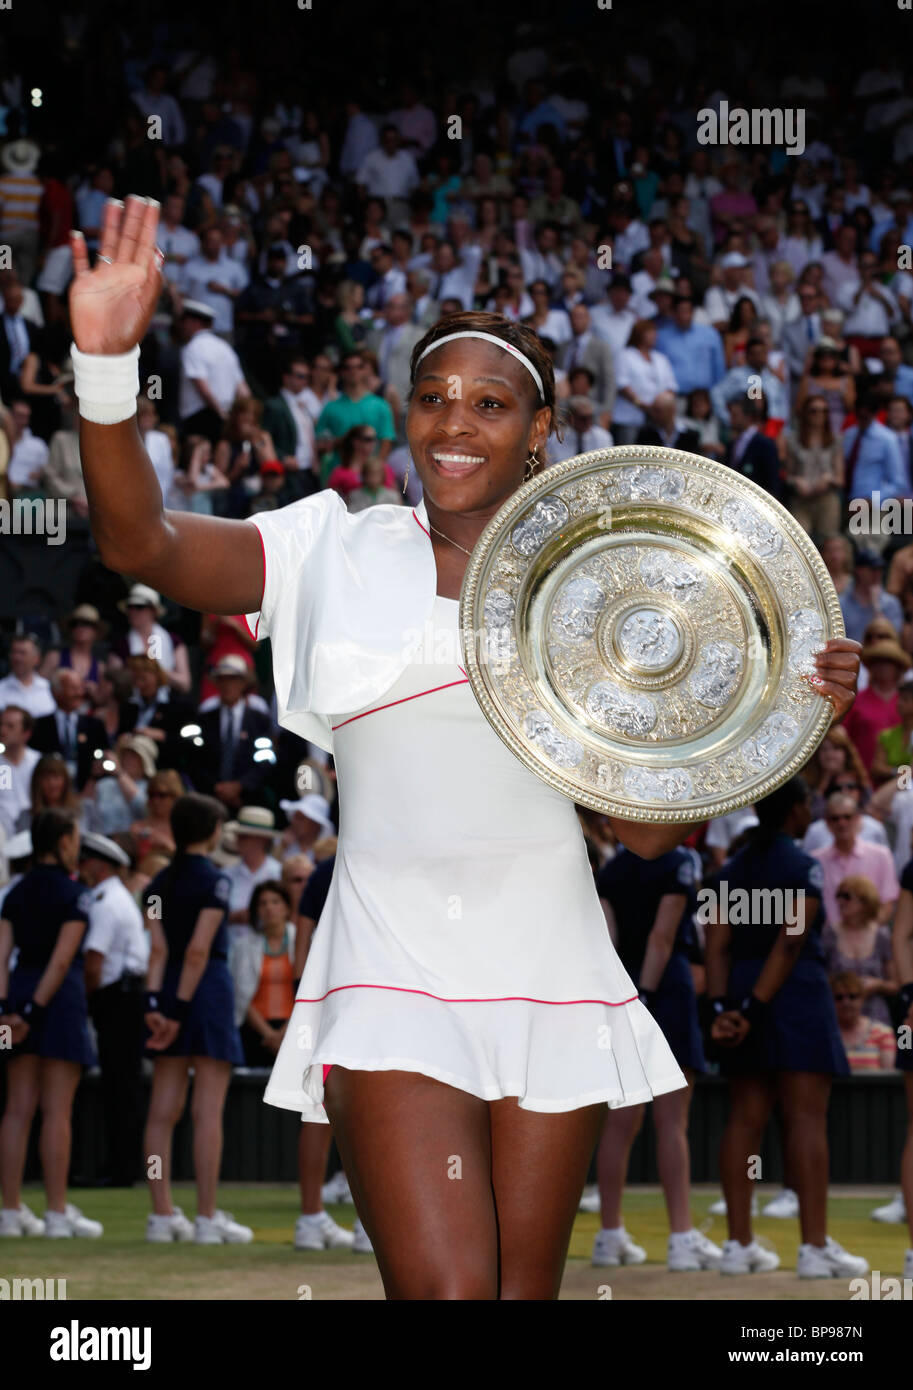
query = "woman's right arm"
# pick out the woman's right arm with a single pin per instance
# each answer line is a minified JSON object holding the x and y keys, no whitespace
{"x":201,"y":562}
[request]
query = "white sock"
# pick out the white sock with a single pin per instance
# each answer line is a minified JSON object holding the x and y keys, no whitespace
{"x":676,"y":1236}
{"x":613,"y":1231}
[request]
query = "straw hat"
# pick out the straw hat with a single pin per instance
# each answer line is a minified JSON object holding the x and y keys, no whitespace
{"x":253,"y":820}
{"x":21,"y":157}
{"x":233,"y":665}
{"x":85,"y":613}
{"x":886,"y":649}
{"x":141,"y":596}
{"x":145,"y":749}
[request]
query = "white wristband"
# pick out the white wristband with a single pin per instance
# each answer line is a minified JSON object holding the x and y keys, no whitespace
{"x":106,"y":384}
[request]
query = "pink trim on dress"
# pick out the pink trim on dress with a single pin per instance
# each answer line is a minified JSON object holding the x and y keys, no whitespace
{"x":505,"y":999}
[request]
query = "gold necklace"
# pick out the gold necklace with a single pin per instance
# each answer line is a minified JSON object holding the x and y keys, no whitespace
{"x":447,"y":538}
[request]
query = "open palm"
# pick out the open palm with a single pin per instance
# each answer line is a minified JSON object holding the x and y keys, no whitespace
{"x":111,"y":305}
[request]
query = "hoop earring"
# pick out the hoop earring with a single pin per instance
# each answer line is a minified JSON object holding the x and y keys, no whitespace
{"x":406,"y":474}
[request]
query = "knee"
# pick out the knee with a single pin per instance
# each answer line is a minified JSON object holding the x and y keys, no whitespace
{"x":446,"y":1285}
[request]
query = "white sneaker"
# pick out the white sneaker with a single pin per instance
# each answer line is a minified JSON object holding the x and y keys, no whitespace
{"x":589,"y":1200}
{"x":336,"y":1190}
{"x":908,"y":1265}
{"x":829,"y":1261}
{"x":20,"y":1221}
{"x":616,"y":1248}
{"x":221,"y":1229}
{"x":747,"y":1259}
{"x":691,"y":1250}
{"x":784,"y":1205}
{"x":162,"y":1230}
{"x":62,"y":1225}
{"x":362,"y":1244}
{"x":894,"y":1212}
{"x":320,"y":1232}
{"x":718,"y":1208}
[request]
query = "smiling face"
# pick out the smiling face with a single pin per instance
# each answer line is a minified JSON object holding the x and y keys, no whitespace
{"x":473,"y":420}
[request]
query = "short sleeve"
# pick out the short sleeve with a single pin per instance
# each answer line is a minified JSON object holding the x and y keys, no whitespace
{"x":218,"y":893}
{"x":78,"y":909}
{"x":101,"y":929}
{"x":288,"y":536}
{"x":193,"y":362}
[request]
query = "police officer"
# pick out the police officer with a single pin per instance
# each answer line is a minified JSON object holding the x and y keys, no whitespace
{"x":649,"y":905}
{"x":775,"y":1025}
{"x":117,"y":954}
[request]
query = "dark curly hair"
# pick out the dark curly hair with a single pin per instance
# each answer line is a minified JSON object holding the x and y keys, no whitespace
{"x":518,"y":335}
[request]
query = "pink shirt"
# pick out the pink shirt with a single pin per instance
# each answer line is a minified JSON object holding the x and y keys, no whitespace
{"x":872,"y":861}
{"x":870,"y":715}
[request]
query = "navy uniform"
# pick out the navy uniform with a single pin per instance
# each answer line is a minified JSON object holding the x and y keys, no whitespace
{"x":799,"y":1030}
{"x":904,"y":1060}
{"x":37,"y":907}
{"x":187,"y":886}
{"x":634,"y":887}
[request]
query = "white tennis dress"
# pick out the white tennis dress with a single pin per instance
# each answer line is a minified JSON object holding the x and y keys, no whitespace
{"x":462,"y":937}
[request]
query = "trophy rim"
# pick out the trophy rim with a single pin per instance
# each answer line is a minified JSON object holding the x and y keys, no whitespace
{"x":553,"y":476}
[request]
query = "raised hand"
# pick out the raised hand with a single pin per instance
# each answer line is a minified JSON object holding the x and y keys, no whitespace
{"x":111,"y":305}
{"x":837,"y":666}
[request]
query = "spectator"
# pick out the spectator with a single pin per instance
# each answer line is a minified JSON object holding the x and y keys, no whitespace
{"x":873,"y":464}
{"x":373,"y":490}
{"x":23,"y":686}
{"x":262,"y":963}
{"x":115,"y":797}
{"x":699,"y":417}
{"x":51,"y":789}
{"x":20,"y":200}
{"x":754,"y":377}
{"x":899,"y":421}
{"x":858,"y":941}
{"x":84,"y":629}
{"x":355,"y":405}
{"x":211,"y":374}
{"x":581,"y":433}
{"x":869,"y":1045}
{"x":829,"y":377}
{"x":642,"y":374}
{"x":75,"y":736}
{"x":18,"y":338}
{"x":864,"y":598}
{"x":233,"y":734}
{"x":694,"y":350}
{"x":720,"y":299}
{"x":847,"y":783}
{"x":19,"y":762}
{"x":288,"y":422}
{"x":799,"y":337}
{"x":152,"y":833}
{"x":614,"y":318}
{"x":255,"y":833}
{"x":876,"y":709}
{"x":90,"y":201}
{"x":870,"y":307}
{"x":146,"y":636}
{"x":309,"y":819}
{"x":895,"y":372}
{"x":112,"y":703}
{"x":750,"y":452}
{"x":357,"y":448}
{"x":393,"y":343}
{"x":668,"y":430}
{"x":389,"y":171}
{"x":813,"y":470}
{"x":29,"y":455}
{"x":178,"y":242}
{"x":214,"y":279}
{"x":850,"y":856}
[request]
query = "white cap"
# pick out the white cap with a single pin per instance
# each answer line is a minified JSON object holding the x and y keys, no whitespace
{"x":314,"y":806}
{"x":734,"y":260}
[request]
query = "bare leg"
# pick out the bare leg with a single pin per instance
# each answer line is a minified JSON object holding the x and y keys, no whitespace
{"x":751,"y":1100}
{"x":804,"y":1099}
{"x":417,"y":1154}
{"x":619,"y":1130}
{"x":166,"y":1105}
{"x":538,"y":1167}
{"x":673,"y":1157}
{"x":58,"y":1083}
{"x":210,"y":1087}
{"x":313,"y":1150}
{"x":906,"y":1162}
{"x":22,"y":1076}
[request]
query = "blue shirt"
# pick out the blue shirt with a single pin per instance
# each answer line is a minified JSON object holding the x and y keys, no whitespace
{"x":903,"y":382}
{"x":634,"y":888}
{"x":736,"y":382}
{"x":769,"y":863}
{"x":857,"y":616}
{"x":190,"y":884}
{"x":696,"y":354}
{"x":42,"y":902}
{"x":878,"y":465}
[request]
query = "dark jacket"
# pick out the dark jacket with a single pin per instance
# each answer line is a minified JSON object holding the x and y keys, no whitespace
{"x":206,"y":765}
{"x":90,"y":734}
{"x":760,"y":462}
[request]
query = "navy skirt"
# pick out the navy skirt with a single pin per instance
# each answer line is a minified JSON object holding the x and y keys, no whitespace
{"x":63,"y":1033}
{"x":209,"y":1029}
{"x":800,"y":1032}
{"x":675,"y":1010}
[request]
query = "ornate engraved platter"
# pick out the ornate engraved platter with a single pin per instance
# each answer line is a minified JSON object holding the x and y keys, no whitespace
{"x":636,"y":624}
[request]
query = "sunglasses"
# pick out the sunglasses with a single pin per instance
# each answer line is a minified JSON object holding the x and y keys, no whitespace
{"x":846,"y":786}
{"x":835,"y":820}
{"x":844,"y":896}
{"x":159,"y":792}
{"x":839,"y":998}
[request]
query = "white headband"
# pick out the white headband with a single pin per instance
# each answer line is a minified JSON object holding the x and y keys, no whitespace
{"x":498,"y":342}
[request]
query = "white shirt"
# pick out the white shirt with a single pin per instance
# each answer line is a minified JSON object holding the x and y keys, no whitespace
{"x":29,"y":457}
{"x":244,"y":881}
{"x":869,"y":318}
{"x":612,"y":328}
{"x":35,"y":697}
{"x":720,"y":302}
{"x":158,"y":645}
{"x":195,"y":277}
{"x":214,"y":361}
{"x":117,"y":931}
{"x":645,"y":378}
{"x":158,"y":447}
{"x":17,"y":796}
{"x":593,"y":438}
{"x":177,"y":241}
{"x":304,"y":425}
{"x":817,"y":836}
{"x":388,"y":176}
{"x":725,"y":830}
{"x":901,"y":819}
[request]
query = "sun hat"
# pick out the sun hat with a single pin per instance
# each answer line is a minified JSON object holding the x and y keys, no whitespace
{"x":85,"y":613}
{"x":886,"y":649}
{"x":314,"y":806}
{"x":141,"y":596}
